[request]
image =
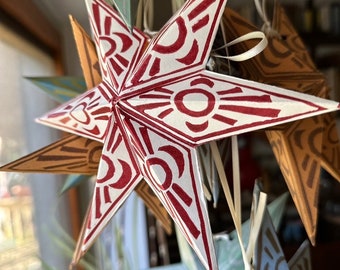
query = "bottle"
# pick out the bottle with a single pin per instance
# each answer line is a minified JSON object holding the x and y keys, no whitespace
{"x":309,"y":17}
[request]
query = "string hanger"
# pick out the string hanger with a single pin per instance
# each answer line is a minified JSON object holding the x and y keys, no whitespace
{"x":267,"y":27}
{"x":148,"y":17}
{"x":234,"y":201}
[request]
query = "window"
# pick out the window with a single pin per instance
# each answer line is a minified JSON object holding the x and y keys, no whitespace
{"x":27,"y":223}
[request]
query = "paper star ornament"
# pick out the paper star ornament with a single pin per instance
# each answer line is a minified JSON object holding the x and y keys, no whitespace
{"x":61,"y":89}
{"x":228,"y":249}
{"x":267,"y":252}
{"x":330,"y":154}
{"x":87,"y":55}
{"x":302,"y":258}
{"x":209,"y":174}
{"x":128,"y":10}
{"x":91,"y":70}
{"x":69,"y":155}
{"x":301,"y":147}
{"x":155,"y":106}
{"x":74,"y":154}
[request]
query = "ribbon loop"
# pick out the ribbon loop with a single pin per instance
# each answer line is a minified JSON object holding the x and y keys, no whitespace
{"x":248,"y":54}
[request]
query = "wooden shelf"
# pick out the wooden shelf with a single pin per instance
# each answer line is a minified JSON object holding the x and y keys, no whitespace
{"x":320,"y":38}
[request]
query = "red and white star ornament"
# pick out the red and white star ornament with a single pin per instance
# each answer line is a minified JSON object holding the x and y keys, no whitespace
{"x":156,"y":105}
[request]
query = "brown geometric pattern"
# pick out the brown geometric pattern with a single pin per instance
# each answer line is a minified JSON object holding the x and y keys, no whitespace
{"x":290,"y":36}
{"x":330,"y":155}
{"x":70,"y":155}
{"x":301,"y":147}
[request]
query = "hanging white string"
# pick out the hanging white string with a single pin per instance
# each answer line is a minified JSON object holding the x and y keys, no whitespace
{"x":236,"y":179}
{"x":148,"y":17}
{"x":258,"y":210}
{"x":235,"y":204}
{"x":224,"y":182}
{"x":267,"y":26}
{"x":176,"y":5}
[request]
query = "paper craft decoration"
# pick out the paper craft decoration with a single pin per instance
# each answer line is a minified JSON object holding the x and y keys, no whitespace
{"x":61,"y":89}
{"x":330,"y":158}
{"x":267,"y":245}
{"x":69,"y":155}
{"x":74,"y":154}
{"x":87,"y":55}
{"x":73,"y":180}
{"x":128,"y":11}
{"x":90,"y":66}
{"x":78,"y":155}
{"x":269,"y":254}
{"x":302,"y":258}
{"x":228,"y":249}
{"x":154,"y":107}
{"x":208,"y":173}
{"x":300,"y":147}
